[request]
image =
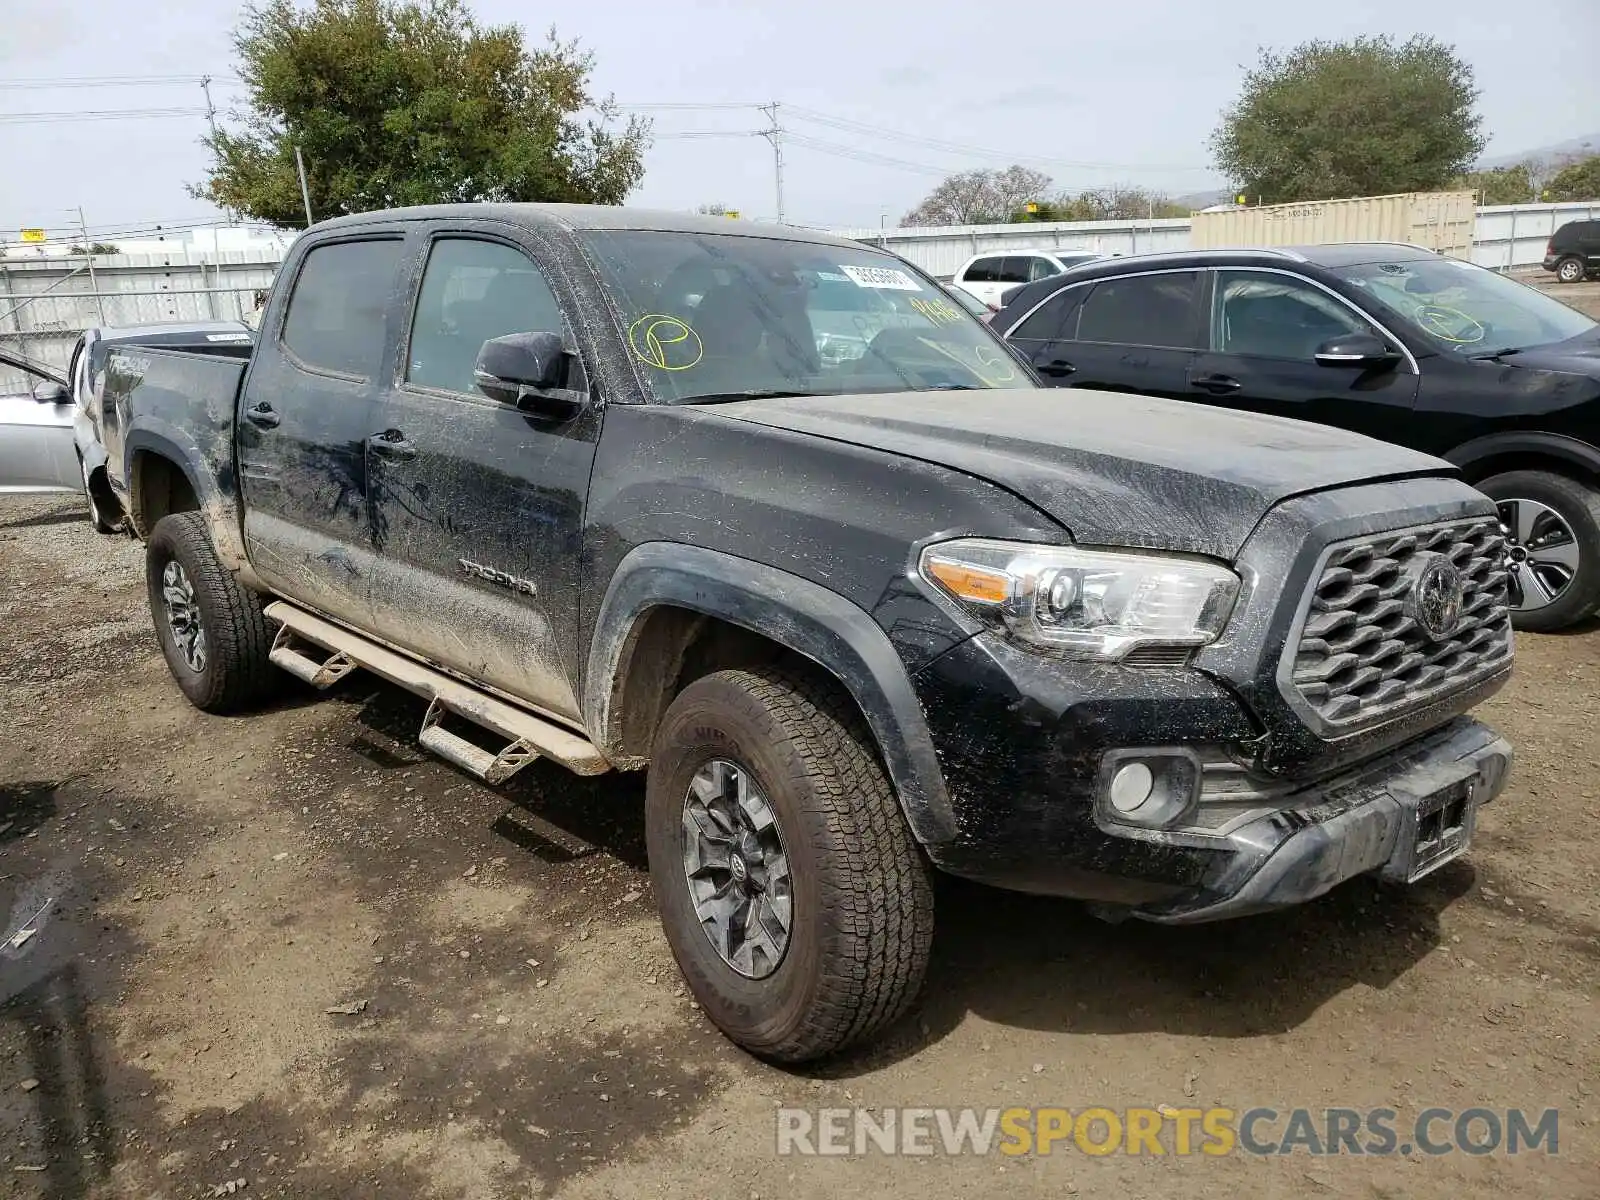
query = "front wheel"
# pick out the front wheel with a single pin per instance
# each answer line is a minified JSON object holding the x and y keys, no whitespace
{"x":1552,"y":526}
{"x":793,"y":895}
{"x":212,"y":630}
{"x":1570,"y":270}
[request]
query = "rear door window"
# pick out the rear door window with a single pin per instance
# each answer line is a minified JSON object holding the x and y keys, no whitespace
{"x":1055,"y":319}
{"x":1013,"y":269}
{"x":1145,"y":310}
{"x":983,"y":270}
{"x":338,"y":312}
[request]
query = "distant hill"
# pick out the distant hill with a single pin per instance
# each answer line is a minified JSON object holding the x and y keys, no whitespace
{"x":1589,"y":143}
{"x":1199,"y":200}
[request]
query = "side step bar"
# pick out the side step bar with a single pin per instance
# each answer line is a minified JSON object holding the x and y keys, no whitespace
{"x":342,"y":651}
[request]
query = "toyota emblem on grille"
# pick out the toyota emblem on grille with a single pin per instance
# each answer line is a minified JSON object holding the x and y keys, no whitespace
{"x":1437,"y":593}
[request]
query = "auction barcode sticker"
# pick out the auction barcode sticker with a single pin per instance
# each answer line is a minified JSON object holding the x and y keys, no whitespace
{"x":882,"y":277}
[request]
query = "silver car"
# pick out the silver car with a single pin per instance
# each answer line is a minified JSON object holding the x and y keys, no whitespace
{"x":37,"y":452}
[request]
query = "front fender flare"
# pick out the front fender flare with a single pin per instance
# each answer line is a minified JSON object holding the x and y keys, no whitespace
{"x":803,"y":616}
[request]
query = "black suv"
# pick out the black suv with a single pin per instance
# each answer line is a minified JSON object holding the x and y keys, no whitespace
{"x":1387,"y":340}
{"x":1574,"y":251}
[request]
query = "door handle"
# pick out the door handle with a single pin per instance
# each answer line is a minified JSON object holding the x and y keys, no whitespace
{"x":263,"y":415}
{"x":1058,"y":368}
{"x":1217,"y":385}
{"x":391,"y":443}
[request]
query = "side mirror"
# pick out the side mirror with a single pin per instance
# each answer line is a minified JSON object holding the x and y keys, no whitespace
{"x":528,"y":370}
{"x":1356,"y":350}
{"x":51,"y":392}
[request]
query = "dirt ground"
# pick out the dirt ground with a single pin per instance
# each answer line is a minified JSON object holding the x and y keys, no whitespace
{"x":210,"y":888}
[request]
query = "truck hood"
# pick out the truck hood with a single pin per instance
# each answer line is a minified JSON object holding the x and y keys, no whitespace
{"x":1116,"y":469}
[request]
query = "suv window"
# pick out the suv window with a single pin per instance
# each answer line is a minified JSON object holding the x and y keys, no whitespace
{"x":1041,"y":268}
{"x":1143,"y":310}
{"x":1274,"y":316}
{"x":984,"y":270}
{"x":1053,"y":319}
{"x":1013,"y":269}
{"x":336,"y":315}
{"x":472,"y":291}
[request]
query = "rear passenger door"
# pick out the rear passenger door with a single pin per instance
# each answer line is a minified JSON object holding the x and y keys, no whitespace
{"x":478,"y":505}
{"x":1128,"y":333}
{"x":306,"y":411}
{"x":982,"y":278}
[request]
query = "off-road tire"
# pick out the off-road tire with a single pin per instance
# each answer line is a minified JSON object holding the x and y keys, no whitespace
{"x":862,"y":923}
{"x":1571,"y":269}
{"x":236,"y":674}
{"x":1579,"y":506}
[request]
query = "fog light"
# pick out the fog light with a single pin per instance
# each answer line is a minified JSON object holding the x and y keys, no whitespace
{"x":1153,"y":788}
{"x":1131,"y":787}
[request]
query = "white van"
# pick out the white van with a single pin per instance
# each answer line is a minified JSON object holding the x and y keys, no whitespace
{"x":988,"y":276}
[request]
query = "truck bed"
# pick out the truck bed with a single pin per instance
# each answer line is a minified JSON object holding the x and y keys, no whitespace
{"x":179,"y":404}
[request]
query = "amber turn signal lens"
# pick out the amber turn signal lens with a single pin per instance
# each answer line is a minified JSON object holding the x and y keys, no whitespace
{"x":967,"y":582}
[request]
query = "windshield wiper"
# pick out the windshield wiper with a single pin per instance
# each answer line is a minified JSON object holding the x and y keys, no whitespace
{"x":734,"y":397}
{"x":1505,"y":353}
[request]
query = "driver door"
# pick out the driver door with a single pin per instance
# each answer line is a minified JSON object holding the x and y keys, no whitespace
{"x":1265,"y":330}
{"x":477,"y":506}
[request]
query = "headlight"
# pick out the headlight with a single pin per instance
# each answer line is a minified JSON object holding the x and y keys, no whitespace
{"x":1093,"y":604}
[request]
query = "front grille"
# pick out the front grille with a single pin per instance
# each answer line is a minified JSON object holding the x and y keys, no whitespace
{"x":1359,"y":655}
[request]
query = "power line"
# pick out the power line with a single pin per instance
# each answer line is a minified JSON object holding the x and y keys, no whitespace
{"x":863,"y":128}
{"x":864,"y":156}
{"x":106,"y":81}
{"x":97,"y":114}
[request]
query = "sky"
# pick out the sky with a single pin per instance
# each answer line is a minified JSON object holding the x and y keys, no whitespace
{"x":878,"y":101}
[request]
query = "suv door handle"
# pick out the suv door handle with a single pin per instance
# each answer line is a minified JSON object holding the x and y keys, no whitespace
{"x":391,"y":443}
{"x":263,"y":415}
{"x":1060,"y":368}
{"x":1217,"y":385}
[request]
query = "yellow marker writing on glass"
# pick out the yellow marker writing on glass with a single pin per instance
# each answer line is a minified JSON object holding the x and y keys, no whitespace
{"x":665,"y":342}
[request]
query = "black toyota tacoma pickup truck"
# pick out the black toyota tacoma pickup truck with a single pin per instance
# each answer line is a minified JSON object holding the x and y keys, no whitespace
{"x":585,"y":479}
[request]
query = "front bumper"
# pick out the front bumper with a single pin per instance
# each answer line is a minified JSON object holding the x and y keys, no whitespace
{"x":1402,"y":816}
{"x":1021,"y":742}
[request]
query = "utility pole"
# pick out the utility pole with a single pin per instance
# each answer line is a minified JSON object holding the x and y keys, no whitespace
{"x":88,"y":253}
{"x":305,"y":192}
{"x":211,"y":119}
{"x":775,"y":136}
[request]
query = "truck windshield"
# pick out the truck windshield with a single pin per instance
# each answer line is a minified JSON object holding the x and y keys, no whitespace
{"x":1466,"y":309}
{"x":718,"y":316}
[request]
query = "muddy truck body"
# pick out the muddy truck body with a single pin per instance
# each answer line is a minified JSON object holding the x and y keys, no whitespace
{"x":762,"y":511}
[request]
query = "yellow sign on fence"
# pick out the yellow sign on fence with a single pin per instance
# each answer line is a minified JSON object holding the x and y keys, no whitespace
{"x":33,"y":235}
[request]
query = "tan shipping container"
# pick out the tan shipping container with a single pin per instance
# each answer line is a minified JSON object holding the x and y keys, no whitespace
{"x":1441,"y":221}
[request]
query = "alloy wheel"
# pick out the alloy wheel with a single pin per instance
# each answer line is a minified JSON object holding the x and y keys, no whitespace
{"x":183,"y":615}
{"x":1542,"y":553}
{"x":737,"y":868}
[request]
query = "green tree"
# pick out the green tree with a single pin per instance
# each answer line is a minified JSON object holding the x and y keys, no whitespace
{"x":1502,"y":185}
{"x":1360,"y":118}
{"x":1578,"y":180}
{"x":397,"y":102}
{"x":96,"y":249}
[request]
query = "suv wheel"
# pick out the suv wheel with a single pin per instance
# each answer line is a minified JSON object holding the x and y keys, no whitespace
{"x":793,"y":895}
{"x":212,"y":631}
{"x":1570,"y":269}
{"x":97,"y":516}
{"x":1552,"y":526}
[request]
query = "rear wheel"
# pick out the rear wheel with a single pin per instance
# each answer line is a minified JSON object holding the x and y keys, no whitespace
{"x":793,"y":895}
{"x":212,"y":630}
{"x":97,"y":515}
{"x":1552,"y":528}
{"x":1570,"y":269}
